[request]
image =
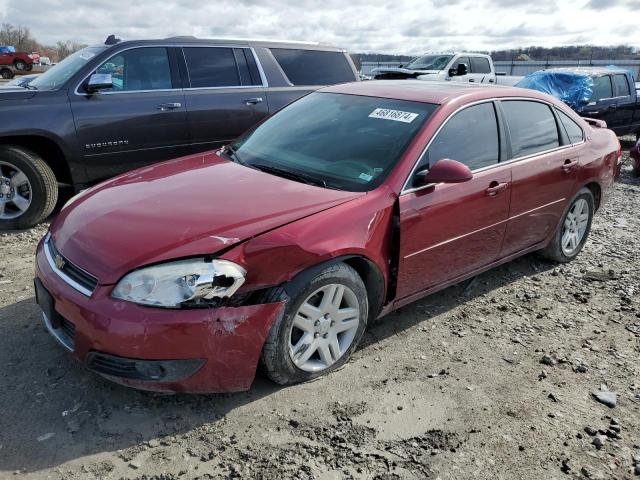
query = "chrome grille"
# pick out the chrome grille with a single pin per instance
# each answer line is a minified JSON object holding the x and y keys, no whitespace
{"x":73,"y":275}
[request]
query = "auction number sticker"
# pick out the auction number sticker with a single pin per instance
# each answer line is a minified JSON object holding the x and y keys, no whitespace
{"x":395,"y":115}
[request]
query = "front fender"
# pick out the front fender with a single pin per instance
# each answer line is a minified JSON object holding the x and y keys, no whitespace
{"x":360,"y":228}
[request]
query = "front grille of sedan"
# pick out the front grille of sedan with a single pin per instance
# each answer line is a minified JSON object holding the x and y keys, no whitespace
{"x":73,"y":275}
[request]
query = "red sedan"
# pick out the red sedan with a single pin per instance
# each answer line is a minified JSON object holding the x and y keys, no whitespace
{"x":342,"y":207}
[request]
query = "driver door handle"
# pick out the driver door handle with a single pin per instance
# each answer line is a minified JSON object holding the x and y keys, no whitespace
{"x":252,"y":101}
{"x":169,"y":106}
{"x":495,"y":188}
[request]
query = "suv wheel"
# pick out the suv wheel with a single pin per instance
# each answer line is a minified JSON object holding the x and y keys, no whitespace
{"x":573,"y":230}
{"x":20,"y":65}
{"x":320,"y":328}
{"x":28,"y":189}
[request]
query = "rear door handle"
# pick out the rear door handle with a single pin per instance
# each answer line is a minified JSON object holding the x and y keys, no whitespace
{"x":252,"y":101}
{"x":495,"y":188}
{"x":612,"y":107}
{"x":169,"y":106}
{"x":568,"y":165}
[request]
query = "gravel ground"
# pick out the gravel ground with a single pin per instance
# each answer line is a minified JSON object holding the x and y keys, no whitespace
{"x":490,"y":379}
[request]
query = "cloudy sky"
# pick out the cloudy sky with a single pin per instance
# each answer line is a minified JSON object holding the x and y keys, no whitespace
{"x":393,"y":26}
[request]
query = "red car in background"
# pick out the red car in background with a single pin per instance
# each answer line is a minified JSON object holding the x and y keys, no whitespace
{"x":19,"y":60}
{"x":347,"y":204}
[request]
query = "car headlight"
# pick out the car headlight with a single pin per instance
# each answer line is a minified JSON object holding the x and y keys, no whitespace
{"x":182,"y":282}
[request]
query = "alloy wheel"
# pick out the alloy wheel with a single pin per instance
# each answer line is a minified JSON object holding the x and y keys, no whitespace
{"x":15,"y":192}
{"x":575,"y":226}
{"x":324,"y":327}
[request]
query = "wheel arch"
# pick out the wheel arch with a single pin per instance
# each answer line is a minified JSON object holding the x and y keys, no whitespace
{"x":47,"y":149}
{"x":596,"y":191}
{"x":368,"y":271}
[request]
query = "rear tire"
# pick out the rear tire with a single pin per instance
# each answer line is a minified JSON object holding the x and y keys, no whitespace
{"x":278,"y":353}
{"x":569,"y":238}
{"x":40,"y":184}
{"x":6,"y":74}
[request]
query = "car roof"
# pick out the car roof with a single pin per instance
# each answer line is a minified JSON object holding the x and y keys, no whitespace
{"x":191,"y":40}
{"x":594,"y":71}
{"x":431,"y":91}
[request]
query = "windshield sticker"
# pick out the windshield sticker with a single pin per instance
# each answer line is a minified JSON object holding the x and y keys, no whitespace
{"x":365,"y":177}
{"x":395,"y":115}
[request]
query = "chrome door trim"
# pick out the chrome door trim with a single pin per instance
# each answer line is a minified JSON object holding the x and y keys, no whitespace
{"x":406,"y":189}
{"x":263,"y":77}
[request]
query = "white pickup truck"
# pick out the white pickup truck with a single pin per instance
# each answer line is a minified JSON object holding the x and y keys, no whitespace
{"x":455,"y":67}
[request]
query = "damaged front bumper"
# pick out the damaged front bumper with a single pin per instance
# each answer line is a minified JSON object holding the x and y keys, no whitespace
{"x":188,"y":350}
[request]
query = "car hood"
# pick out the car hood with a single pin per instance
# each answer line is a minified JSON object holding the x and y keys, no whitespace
{"x":399,"y":72}
{"x":195,"y":205}
{"x":15,"y":93}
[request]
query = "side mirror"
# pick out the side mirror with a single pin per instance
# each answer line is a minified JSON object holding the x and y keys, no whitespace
{"x":99,"y":81}
{"x":459,"y":71}
{"x":443,"y":171}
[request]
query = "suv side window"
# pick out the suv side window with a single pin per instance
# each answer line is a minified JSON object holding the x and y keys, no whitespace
{"x":480,"y":65}
{"x":602,"y":88}
{"x":212,"y":67}
{"x":144,"y":68}
{"x":574,"y":131}
{"x":313,"y":67}
{"x":470,"y":136}
{"x":621,"y":85}
{"x":532,"y":127}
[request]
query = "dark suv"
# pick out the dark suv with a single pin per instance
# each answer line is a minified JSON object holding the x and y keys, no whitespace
{"x":114,"y":107}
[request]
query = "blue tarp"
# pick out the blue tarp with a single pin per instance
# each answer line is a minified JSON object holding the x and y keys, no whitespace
{"x":573,"y":88}
{"x":4,"y":49}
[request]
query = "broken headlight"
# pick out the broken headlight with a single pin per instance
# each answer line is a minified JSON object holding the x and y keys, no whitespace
{"x":182,"y":282}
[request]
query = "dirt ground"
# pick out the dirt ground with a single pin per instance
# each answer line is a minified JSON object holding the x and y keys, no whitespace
{"x":490,"y":379}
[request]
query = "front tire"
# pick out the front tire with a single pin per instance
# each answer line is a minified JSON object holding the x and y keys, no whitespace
{"x":573,"y":230}
{"x":6,"y":74}
{"x":320,"y":328}
{"x":28,"y":189}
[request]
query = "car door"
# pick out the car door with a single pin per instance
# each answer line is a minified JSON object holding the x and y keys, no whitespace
{"x":225,"y":96}
{"x":623,"y":118}
{"x":450,"y":230}
{"x":141,"y":120}
{"x":544,"y":171}
{"x":601,"y":105}
{"x":480,"y":70}
{"x":461,"y":78}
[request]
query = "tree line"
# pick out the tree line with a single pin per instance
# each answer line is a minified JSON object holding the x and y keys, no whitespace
{"x":20,"y":37}
{"x":571,"y":52}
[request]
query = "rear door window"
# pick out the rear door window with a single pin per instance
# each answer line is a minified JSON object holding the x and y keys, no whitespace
{"x":602,"y":88}
{"x":139,"y":69}
{"x":532,"y":127}
{"x":313,"y":67}
{"x":212,"y":67}
{"x":470,"y":136}
{"x":574,"y":131}
{"x":621,"y":86}
{"x":480,"y":65}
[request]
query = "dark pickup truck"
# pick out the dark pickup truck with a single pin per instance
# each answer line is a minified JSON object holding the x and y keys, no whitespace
{"x":607,"y":94}
{"x":111,"y":108}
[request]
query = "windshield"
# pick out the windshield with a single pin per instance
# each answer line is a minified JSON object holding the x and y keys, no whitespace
{"x":347,"y":142}
{"x":57,"y":75}
{"x":429,"y":62}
